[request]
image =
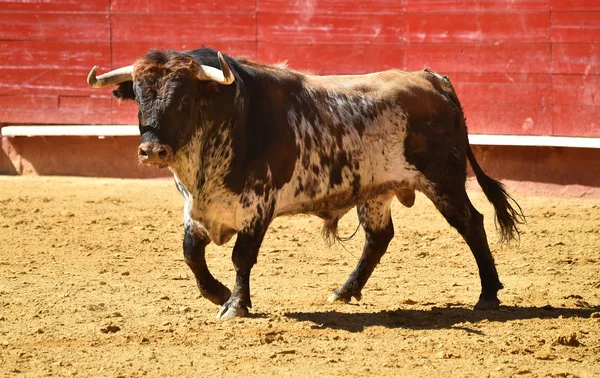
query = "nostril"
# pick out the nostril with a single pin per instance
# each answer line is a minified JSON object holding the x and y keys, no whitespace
{"x":142,"y":152}
{"x":162,"y":153}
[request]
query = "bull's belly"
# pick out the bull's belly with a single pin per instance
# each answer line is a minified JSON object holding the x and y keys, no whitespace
{"x":219,"y":221}
{"x":336,"y":175}
{"x":339,"y":198}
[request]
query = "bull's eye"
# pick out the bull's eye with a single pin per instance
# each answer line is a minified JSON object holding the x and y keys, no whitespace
{"x":183,"y":105}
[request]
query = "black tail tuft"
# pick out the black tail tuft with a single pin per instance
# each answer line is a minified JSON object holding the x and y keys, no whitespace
{"x":508,"y":212}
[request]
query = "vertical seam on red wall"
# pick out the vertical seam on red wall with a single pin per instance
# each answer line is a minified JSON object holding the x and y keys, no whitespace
{"x":404,"y":42}
{"x":256,"y":29}
{"x":110,"y":51}
{"x":552,"y":132}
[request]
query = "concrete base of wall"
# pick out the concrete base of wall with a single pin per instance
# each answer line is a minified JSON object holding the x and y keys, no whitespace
{"x":76,"y":156}
{"x":563,"y":171}
{"x":546,"y":170}
{"x":557,"y":165}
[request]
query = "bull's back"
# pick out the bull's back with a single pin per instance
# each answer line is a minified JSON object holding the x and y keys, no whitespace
{"x":351,"y":133}
{"x":372,"y":133}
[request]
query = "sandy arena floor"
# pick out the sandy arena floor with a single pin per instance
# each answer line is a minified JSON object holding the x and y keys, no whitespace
{"x":93,"y":284}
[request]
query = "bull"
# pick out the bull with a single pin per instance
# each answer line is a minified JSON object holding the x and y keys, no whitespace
{"x":248,"y":142}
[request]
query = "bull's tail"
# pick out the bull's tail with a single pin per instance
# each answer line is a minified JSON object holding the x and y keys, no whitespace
{"x":508,"y":212}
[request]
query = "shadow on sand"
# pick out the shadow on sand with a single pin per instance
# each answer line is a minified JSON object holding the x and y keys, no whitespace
{"x":435,"y":318}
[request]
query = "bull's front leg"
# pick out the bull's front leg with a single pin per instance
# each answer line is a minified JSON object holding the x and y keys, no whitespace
{"x":245,"y":253}
{"x":195,"y":241}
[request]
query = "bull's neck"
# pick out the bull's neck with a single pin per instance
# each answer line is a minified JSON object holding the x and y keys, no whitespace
{"x":203,"y":162}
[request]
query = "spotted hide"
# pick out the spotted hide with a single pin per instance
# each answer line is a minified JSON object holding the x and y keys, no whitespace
{"x":249,"y":142}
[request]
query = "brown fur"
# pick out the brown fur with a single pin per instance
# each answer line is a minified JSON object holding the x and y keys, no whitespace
{"x":150,"y":69}
{"x":338,"y":141}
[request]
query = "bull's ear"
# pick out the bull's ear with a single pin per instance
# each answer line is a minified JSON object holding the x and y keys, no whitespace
{"x":124,"y":91}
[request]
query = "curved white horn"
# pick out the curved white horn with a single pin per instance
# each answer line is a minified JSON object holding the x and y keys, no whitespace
{"x":222,"y":76}
{"x":113,"y":77}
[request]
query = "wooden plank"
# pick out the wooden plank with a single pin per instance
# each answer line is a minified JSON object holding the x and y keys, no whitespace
{"x":575,"y":58}
{"x":133,"y":130}
{"x":54,"y":27}
{"x":92,"y":110}
{"x":576,"y":27}
{"x":125,"y":53}
{"x":54,"y":5}
{"x":576,"y":89}
{"x":509,"y":58}
{"x":475,"y":6}
{"x":478,"y":88}
{"x":533,"y":141}
{"x":123,"y":112}
{"x":69,"y":130}
{"x":329,"y":58}
{"x":574,"y":5}
{"x":51,"y":109}
{"x":508,"y":119}
{"x":28,"y":109}
{"x":36,"y":81}
{"x":54,"y":54}
{"x":472,"y":28}
{"x":331,"y":6}
{"x":195,"y":29}
{"x":582,"y":120}
{"x":276,"y":27}
{"x":182,"y":6}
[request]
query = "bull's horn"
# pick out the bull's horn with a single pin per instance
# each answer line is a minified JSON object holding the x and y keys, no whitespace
{"x":221,"y":76}
{"x":113,"y":77}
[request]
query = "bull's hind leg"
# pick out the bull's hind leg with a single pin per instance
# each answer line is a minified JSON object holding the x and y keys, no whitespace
{"x":375,"y":218}
{"x":195,"y":241}
{"x":454,"y":204}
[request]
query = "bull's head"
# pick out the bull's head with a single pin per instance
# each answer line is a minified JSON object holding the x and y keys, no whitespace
{"x":171,"y":89}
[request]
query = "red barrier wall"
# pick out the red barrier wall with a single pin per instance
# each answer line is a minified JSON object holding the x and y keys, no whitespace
{"x":519,"y":66}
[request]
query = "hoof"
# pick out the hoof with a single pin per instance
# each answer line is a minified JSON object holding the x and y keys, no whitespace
{"x":488,"y":304}
{"x":232,"y":310}
{"x":335,"y":297}
{"x":340,"y":295}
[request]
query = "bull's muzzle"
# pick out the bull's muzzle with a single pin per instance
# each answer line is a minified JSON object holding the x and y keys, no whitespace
{"x":155,"y":154}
